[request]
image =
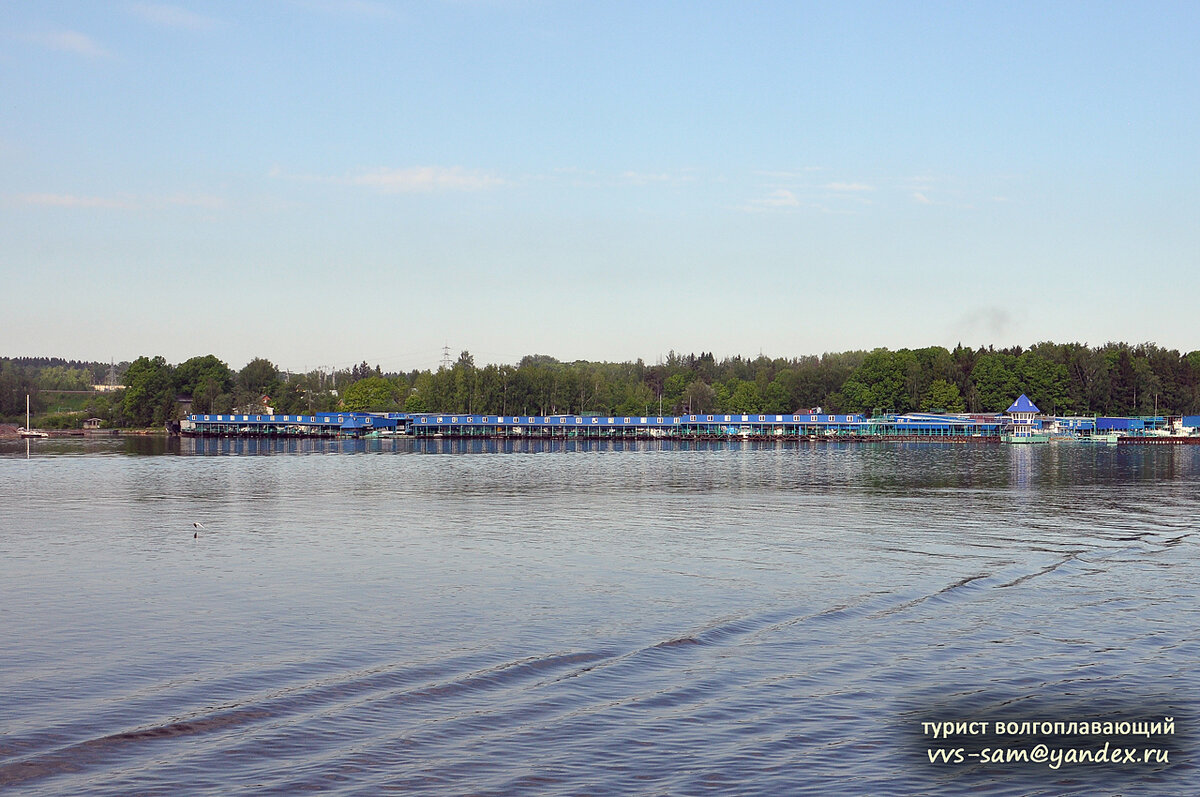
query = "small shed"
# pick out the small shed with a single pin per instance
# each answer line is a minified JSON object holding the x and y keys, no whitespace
{"x":93,"y":423}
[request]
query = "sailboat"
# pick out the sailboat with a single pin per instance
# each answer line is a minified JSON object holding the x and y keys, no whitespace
{"x":26,"y":431}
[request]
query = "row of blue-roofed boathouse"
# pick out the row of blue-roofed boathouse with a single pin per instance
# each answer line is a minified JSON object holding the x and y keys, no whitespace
{"x":695,"y":427}
{"x":1022,"y":422}
{"x":321,"y":424}
{"x":702,"y":426}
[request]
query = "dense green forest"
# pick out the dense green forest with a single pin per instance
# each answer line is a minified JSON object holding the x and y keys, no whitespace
{"x":1071,"y":378}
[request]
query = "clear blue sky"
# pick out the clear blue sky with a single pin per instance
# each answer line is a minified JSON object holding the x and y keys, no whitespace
{"x":325,"y":181}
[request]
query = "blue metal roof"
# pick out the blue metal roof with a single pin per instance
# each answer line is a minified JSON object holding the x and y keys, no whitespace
{"x":933,"y":420}
{"x":1119,"y":424}
{"x":444,"y":419}
{"x":1023,"y":404}
{"x":355,"y":420}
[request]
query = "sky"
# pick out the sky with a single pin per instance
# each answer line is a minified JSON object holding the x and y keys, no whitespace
{"x":323,"y":182}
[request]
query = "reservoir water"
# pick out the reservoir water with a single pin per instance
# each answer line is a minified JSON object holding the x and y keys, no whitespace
{"x":447,"y":617}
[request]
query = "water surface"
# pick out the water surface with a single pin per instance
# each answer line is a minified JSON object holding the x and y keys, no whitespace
{"x":557,"y":618}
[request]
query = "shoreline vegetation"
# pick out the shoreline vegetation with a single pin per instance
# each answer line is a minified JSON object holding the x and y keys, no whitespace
{"x":144,"y":395}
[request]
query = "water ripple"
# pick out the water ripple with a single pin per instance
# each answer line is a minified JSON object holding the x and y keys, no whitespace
{"x":546,"y":618}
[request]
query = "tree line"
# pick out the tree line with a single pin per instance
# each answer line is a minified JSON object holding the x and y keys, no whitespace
{"x":1072,"y":378}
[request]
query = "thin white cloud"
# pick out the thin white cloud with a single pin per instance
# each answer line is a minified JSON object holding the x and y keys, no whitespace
{"x":573,"y":174}
{"x":848,"y":187}
{"x":927,"y":184}
{"x":350,"y":8}
{"x":168,"y":16}
{"x":921,"y":199}
{"x":419,"y":179}
{"x":70,"y":41}
{"x":643,"y":178}
{"x":206,"y":201}
{"x":657,"y":178}
{"x":592,"y":178}
{"x":790,"y":174}
{"x":119,"y":202}
{"x":415,"y":179}
{"x":780,"y":198}
{"x":73,"y":201}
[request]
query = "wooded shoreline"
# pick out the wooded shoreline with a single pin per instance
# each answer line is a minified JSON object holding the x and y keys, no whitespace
{"x":1117,"y":379}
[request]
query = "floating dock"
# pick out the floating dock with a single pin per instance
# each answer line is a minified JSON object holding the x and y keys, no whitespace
{"x":321,"y":424}
{"x":910,"y":427}
{"x":717,"y":426}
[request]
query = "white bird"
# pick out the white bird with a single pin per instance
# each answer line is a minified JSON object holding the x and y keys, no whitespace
{"x":198,"y":525}
{"x":196,"y":534}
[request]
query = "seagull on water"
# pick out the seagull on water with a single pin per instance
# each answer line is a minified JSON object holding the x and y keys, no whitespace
{"x":196,"y":534}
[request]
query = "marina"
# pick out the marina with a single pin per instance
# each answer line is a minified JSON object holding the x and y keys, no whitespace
{"x":1021,"y":425}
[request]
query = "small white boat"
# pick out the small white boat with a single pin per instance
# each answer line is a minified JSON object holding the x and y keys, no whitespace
{"x":25,"y":431}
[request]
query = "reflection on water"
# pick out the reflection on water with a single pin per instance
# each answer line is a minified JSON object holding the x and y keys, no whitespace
{"x":144,"y":445}
{"x":558,"y":617}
